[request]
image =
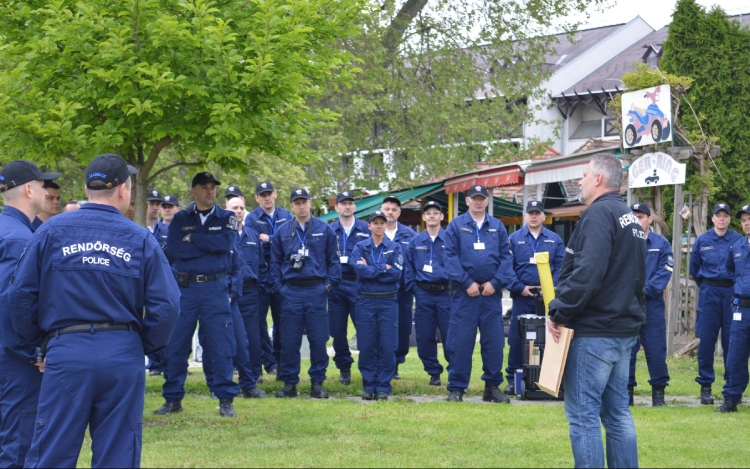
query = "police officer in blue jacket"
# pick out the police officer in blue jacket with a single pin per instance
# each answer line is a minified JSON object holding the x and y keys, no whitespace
{"x":738,"y":266}
{"x":378,"y":263}
{"x":231,"y":192}
{"x":426,"y":277}
{"x":401,"y":234}
{"x":479,"y":263}
{"x":265,"y":220}
{"x":653,"y":334}
{"x":154,"y":199}
{"x":524,"y":243}
{"x":201,"y":239}
{"x":715,"y":288}
{"x":22,"y":188}
{"x":305,"y":267}
{"x":97,"y":287}
{"x":342,"y":300}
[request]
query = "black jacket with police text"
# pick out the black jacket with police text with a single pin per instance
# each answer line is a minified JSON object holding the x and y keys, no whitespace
{"x":600,"y":291}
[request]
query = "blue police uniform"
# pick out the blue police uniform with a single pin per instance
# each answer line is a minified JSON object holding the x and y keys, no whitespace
{"x":377,"y":311}
{"x":426,"y":277}
{"x":476,"y":255}
{"x":342,"y":300}
{"x":653,"y":334}
{"x":404,"y":234}
{"x":158,"y":361}
{"x":715,"y":284}
{"x":262,"y":223}
{"x":523,"y":246}
{"x":738,"y":266}
{"x":304,"y":294}
{"x":202,"y":263}
{"x":249,"y":247}
{"x":99,"y":271}
{"x":161,"y":232}
{"x":20,"y":380}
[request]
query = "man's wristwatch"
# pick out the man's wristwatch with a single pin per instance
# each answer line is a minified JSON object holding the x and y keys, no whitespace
{"x":186,"y":238}
{"x":328,"y":287}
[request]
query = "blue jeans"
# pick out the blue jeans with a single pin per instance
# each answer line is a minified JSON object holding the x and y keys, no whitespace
{"x":596,"y":394}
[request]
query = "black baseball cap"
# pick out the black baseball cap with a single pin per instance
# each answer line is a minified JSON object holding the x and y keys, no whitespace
{"x":170,"y":200}
{"x":639,"y":207}
{"x":51,"y":185}
{"x":478,"y":190}
{"x":154,"y":195}
{"x":744,"y":209}
{"x":232,"y":191}
{"x":534,"y":206}
{"x":18,"y":173}
{"x":377,"y":214}
{"x":392,"y":199}
{"x":107,"y":171}
{"x":719,"y":207}
{"x":204,"y":178}
{"x":300,"y":193}
{"x":432,"y":204}
{"x":262,"y":187}
{"x":346,"y":195}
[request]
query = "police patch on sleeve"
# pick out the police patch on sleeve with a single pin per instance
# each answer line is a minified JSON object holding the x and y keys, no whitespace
{"x":670,"y":263}
{"x":399,"y":264}
{"x":232,"y":223}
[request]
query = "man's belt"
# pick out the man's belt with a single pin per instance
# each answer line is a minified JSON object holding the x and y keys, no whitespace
{"x":305,"y":283}
{"x":743,"y":302}
{"x":720,"y":283}
{"x":434,"y":287}
{"x":204,"y":278}
{"x":250,"y":284}
{"x":349,"y":276}
{"x":91,"y":327}
{"x":388,"y":294}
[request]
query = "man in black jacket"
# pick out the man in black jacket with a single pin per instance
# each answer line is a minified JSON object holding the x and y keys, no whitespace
{"x":603,"y":303}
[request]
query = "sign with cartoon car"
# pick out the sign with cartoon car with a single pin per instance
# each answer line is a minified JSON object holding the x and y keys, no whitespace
{"x":656,"y":169}
{"x":647,"y":116}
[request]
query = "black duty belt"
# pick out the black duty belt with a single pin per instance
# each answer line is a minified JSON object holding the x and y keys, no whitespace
{"x":743,"y":302}
{"x":349,"y":276}
{"x":205,"y":278}
{"x":388,"y":294}
{"x":434,"y":287}
{"x":720,"y":283}
{"x":248,"y":285}
{"x":305,"y":283}
{"x":91,"y":327}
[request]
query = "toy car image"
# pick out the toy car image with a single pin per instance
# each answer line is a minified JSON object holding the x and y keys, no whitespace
{"x":652,"y":179}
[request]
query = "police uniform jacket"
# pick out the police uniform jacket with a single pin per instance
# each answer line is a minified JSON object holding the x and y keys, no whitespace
{"x":659,"y":263}
{"x":15,"y":233}
{"x":322,"y":261}
{"x":709,"y":257}
{"x":404,"y":235}
{"x":260,"y":222}
{"x":466,"y":264}
{"x":420,"y":252}
{"x":209,"y":249}
{"x":375,"y":277}
{"x":94,"y":266}
{"x":249,"y":247}
{"x":161,"y":232}
{"x":345,"y":243}
{"x":600,"y":293}
{"x":738,"y":266}
{"x":523,"y":246}
{"x":234,"y":272}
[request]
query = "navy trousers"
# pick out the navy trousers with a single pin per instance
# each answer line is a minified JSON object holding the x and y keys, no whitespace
{"x":521,"y":305}
{"x":271,"y":350}
{"x":241,"y":358}
{"x":714,"y":314}
{"x":432,"y":313}
{"x":19,"y":395}
{"x":405,"y":320}
{"x":341,"y":305}
{"x":248,"y":304}
{"x":93,"y":380}
{"x":157,"y":361}
{"x":739,"y":352}
{"x":377,"y":336}
{"x":653,"y":337}
{"x":468,"y":314}
{"x":304,"y":309}
{"x":209,"y":303}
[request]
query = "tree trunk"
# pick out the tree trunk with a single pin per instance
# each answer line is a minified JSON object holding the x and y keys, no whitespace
{"x":140,"y":189}
{"x":395,"y":32}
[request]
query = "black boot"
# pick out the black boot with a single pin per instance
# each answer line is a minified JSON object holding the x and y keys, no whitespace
{"x":631,"y":401}
{"x":493,"y":394}
{"x":456,"y":396}
{"x":317,"y":391}
{"x":396,"y":375}
{"x":727,"y":406}
{"x":289,"y":390}
{"x":657,"y":396}
{"x":510,"y":389}
{"x":255,"y":393}
{"x":706,"y":397}
{"x":346,"y":377}
{"x":226,"y":409}
{"x":368,"y":396}
{"x":435,"y":380}
{"x":169,"y":408}
{"x":381,"y":396}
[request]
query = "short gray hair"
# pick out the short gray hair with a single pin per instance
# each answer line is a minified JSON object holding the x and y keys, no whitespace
{"x":610,"y":167}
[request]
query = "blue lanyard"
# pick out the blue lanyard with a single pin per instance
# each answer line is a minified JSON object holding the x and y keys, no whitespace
{"x":431,"y":245}
{"x":531,"y":241}
{"x":346,"y":240}
{"x":301,"y":239}
{"x":476,"y":227}
{"x":271,"y":223}
{"x":372,"y":253}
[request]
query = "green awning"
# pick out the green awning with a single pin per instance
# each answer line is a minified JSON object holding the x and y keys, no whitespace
{"x":369,"y":204}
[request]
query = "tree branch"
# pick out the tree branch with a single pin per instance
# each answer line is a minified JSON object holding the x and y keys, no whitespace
{"x":167,"y":168}
{"x":154,"y":154}
{"x":395,"y":32}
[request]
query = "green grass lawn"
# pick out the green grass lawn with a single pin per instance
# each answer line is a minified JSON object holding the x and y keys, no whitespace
{"x":345,"y":431}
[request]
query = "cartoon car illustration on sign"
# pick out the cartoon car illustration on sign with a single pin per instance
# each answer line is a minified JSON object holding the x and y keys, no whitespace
{"x":650,"y":121}
{"x":652,"y":179}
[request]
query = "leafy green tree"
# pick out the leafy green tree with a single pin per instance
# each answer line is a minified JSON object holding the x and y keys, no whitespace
{"x":216,"y":80}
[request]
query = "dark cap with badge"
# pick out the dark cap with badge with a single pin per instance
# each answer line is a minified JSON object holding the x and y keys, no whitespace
{"x":377,"y":214}
{"x":478,"y":190}
{"x":744,"y":209}
{"x":107,"y":171}
{"x":720,"y":207}
{"x":300,"y":193}
{"x":154,"y":195}
{"x":432,"y":204}
{"x":534,"y":206}
{"x":639,"y":207}
{"x":392,"y":199}
{"x":204,"y":178}
{"x":231,"y":192}
{"x":262,"y":187}
{"x":342,"y":196}
{"x":18,"y":173}
{"x":170,"y":200}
